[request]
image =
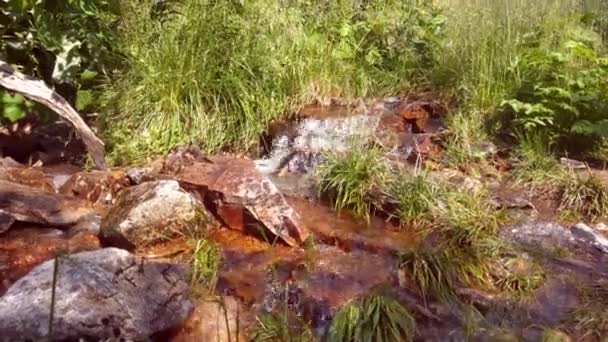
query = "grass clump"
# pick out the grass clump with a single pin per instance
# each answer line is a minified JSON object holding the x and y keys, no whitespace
{"x":205,"y":263}
{"x":518,"y":276}
{"x":414,"y":194}
{"x":464,"y":145}
{"x":590,"y":320}
{"x":465,"y":245}
{"x":372,"y":318}
{"x":535,"y":164}
{"x":585,"y":195}
{"x":432,"y":272}
{"x":347,"y":178}
{"x":271,"y":328}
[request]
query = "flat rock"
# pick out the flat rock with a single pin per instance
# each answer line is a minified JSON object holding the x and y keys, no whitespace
{"x":27,"y":204}
{"x":148,"y":213}
{"x":104,"y":294}
{"x":241,"y":196}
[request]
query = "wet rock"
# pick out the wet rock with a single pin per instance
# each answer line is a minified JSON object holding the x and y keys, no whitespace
{"x":24,"y":248}
{"x":350,"y":233}
{"x":149,"y":212}
{"x":590,"y":236}
{"x":104,"y":294}
{"x":546,"y":235}
{"x":95,"y":186}
{"x":27,"y":204}
{"x":242,"y":197}
{"x":217,"y":320}
{"x":500,"y":202}
{"x":318,"y":289}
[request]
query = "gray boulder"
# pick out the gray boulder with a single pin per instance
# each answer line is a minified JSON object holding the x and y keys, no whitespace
{"x":103,"y":294}
{"x":147,"y":213}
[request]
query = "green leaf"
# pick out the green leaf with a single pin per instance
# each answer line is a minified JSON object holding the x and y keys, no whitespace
{"x":88,"y":75}
{"x":16,"y":99}
{"x":13,"y":112}
{"x":84,"y":98}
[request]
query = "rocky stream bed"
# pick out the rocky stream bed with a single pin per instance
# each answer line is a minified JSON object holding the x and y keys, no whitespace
{"x":106,"y":255}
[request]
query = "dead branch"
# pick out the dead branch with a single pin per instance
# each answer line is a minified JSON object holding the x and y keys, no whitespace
{"x":40,"y":92}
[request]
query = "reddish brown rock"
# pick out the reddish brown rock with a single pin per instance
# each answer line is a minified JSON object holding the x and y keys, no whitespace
{"x":240,"y":196}
{"x":24,"y":248}
{"x":28,"y":176}
{"x":217,"y":320}
{"x":96,"y":186}
{"x":27,"y":204}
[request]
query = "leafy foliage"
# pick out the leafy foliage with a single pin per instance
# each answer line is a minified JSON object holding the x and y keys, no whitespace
{"x":565,"y":93}
{"x":372,"y":318}
{"x":66,"y":43}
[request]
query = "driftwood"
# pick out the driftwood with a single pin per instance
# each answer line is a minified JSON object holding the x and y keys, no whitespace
{"x":39,"y":92}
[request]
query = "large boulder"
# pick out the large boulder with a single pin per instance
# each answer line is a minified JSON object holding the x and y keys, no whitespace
{"x":104,"y":294}
{"x":148,"y":213}
{"x":27,"y":204}
{"x":239,"y":195}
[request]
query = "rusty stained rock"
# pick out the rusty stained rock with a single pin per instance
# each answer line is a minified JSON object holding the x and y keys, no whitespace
{"x":24,"y":248}
{"x":27,"y":176}
{"x":241,"y":197}
{"x":216,"y":319}
{"x":26,"y":204}
{"x":96,"y":186}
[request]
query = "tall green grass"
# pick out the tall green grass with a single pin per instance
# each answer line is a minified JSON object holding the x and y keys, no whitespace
{"x":217,"y":72}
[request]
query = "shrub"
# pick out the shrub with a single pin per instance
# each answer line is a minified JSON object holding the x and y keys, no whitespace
{"x":565,"y":94}
{"x":67,"y":43}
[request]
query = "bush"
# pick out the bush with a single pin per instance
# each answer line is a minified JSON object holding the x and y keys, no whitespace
{"x":565,"y":95}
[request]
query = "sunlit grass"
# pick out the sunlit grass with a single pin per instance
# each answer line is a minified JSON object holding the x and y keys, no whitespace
{"x":372,"y":318}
